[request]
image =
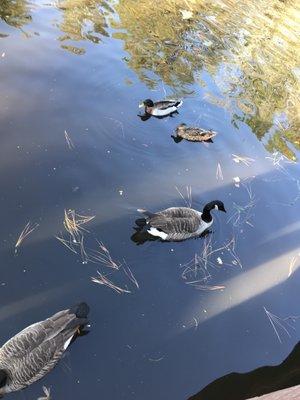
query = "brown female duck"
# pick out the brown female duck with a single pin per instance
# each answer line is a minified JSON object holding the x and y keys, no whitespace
{"x":193,"y":134}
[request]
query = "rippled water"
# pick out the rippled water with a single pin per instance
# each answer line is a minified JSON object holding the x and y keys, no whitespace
{"x":82,"y":67}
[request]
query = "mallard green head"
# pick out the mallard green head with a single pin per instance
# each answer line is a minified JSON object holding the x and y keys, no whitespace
{"x":146,"y":103}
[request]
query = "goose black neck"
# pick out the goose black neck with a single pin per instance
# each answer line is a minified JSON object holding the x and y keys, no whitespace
{"x":206,"y":215}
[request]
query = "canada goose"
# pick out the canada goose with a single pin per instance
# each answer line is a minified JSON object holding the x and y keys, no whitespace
{"x":34,"y":351}
{"x":192,"y":134}
{"x":179,"y":223}
{"x":160,"y":108}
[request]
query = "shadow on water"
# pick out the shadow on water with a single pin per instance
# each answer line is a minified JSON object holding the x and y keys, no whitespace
{"x":258,"y":382}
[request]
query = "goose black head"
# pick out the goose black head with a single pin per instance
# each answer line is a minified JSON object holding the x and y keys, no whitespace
{"x":212,"y":205}
{"x":147,"y":103}
{"x":215,"y":205}
{"x":3,"y":378}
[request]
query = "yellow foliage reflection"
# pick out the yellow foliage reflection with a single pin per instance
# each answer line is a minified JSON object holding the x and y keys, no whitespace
{"x":15,"y":12}
{"x":251,"y":49}
{"x":82,"y":20}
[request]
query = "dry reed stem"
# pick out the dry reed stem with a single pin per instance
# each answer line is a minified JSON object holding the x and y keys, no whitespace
{"x":244,"y":160}
{"x":84,"y":255}
{"x":69,"y":142}
{"x":104,"y":257}
{"x":196,"y":285}
{"x":29,"y":228}
{"x":188,"y":200}
{"x":219,"y":173}
{"x":47,"y":393}
{"x":196,"y":271}
{"x":69,"y":244}
{"x":243,"y":214}
{"x":292,"y":265}
{"x":103,"y":280}
{"x":278,"y":322}
{"x":73,"y":224}
{"x":130,"y":275}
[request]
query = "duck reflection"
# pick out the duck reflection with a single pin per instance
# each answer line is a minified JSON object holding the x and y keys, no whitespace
{"x":263,"y":380}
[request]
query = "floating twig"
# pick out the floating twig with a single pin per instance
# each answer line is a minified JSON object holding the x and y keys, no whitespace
{"x":196,"y":322}
{"x":292,"y":265}
{"x":66,"y":243}
{"x":219,"y":173}
{"x":244,"y":160}
{"x":70,"y":144}
{"x":196,"y":285}
{"x":156,"y":359}
{"x":243,"y":214}
{"x":103,"y":256}
{"x":103,"y":280}
{"x":47,"y":394}
{"x":73,"y":224}
{"x":196,"y":271}
{"x":278,"y":322}
{"x":188,"y":200}
{"x":130,"y":275}
{"x":29,"y":228}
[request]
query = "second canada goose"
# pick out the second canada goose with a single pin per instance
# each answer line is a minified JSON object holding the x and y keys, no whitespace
{"x":193,"y":134}
{"x":180,"y":223}
{"x":33,"y":352}
{"x":161,"y":108}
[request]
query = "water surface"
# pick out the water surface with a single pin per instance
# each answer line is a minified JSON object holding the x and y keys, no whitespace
{"x":82,"y":67}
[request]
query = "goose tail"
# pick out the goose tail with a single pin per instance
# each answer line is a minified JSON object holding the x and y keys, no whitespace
{"x":158,"y":233}
{"x":146,"y":213}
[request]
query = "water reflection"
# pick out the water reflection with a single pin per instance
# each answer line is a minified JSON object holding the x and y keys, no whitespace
{"x":15,"y":13}
{"x":82,"y":20}
{"x":250,"y":50}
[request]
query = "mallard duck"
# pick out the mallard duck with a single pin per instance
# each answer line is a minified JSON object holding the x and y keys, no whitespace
{"x":33,"y":352}
{"x":179,"y":223}
{"x":193,"y":134}
{"x":160,"y":108}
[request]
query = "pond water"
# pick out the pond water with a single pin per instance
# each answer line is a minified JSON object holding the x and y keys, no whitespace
{"x":72,"y":75}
